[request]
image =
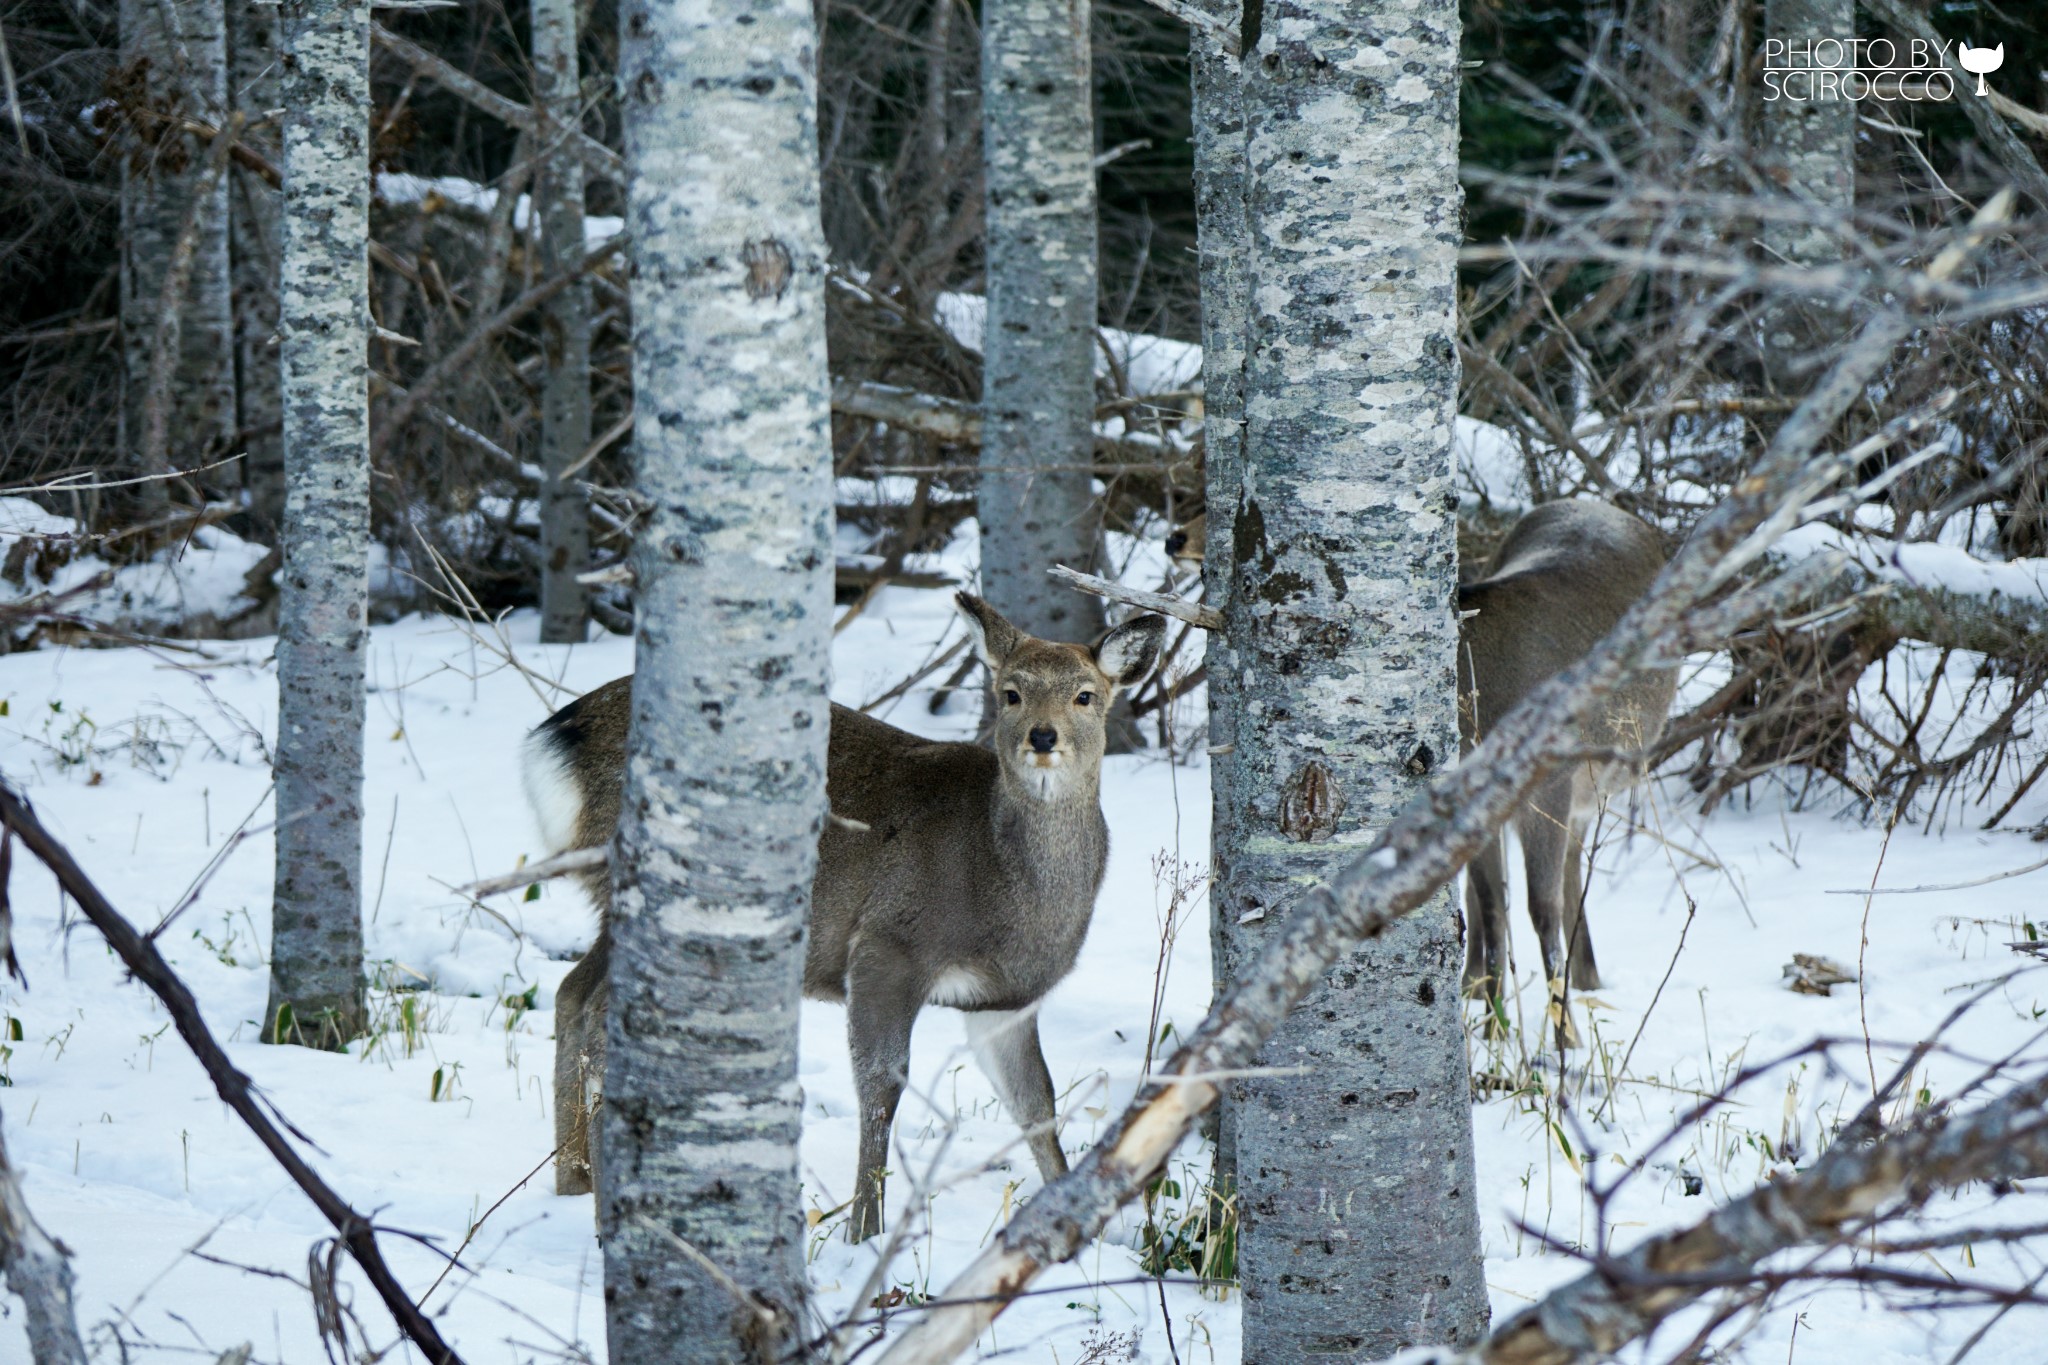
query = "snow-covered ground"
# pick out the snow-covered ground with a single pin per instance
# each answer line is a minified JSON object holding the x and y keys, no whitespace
{"x":148,"y":761}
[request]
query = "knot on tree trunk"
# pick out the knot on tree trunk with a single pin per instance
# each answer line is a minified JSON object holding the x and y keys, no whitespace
{"x":1310,"y":804}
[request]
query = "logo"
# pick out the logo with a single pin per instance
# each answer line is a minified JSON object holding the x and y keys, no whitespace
{"x":1981,"y":61}
{"x":1817,"y":70}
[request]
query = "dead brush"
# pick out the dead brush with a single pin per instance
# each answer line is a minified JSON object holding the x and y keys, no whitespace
{"x":401,"y":1013}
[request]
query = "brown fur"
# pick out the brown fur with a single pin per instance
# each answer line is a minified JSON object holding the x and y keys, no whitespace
{"x":948,"y":874}
{"x":1562,"y":578}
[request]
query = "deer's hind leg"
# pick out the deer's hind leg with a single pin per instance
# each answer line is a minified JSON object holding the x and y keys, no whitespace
{"x":1486,"y":923}
{"x":579,"y":1068}
{"x":1578,"y":934}
{"x":1544,"y":826}
{"x":1005,"y":1042}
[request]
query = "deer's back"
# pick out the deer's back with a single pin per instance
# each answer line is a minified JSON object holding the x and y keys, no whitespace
{"x":1563,"y":578}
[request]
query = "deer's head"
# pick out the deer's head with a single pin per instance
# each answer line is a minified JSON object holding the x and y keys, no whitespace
{"x":1052,"y":699}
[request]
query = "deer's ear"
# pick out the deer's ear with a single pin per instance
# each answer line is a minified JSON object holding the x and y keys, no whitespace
{"x":994,"y":638}
{"x":1127,"y":653}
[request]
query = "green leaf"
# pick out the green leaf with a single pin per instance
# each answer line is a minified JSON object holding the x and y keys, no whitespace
{"x":434,"y":1090}
{"x":532,"y":892}
{"x":13,"y":1029}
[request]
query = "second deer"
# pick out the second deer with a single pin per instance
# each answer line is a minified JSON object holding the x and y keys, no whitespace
{"x":1561,"y":580}
{"x":948,"y":875}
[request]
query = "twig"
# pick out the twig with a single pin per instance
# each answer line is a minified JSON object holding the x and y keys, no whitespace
{"x":65,"y":485}
{"x":459,"y":359}
{"x":455,"y":1256}
{"x":1194,"y":613}
{"x":1950,"y":886}
{"x":76,"y":329}
{"x":218,"y":860}
{"x":595,"y":154}
{"x":547,"y":869}
{"x":147,"y":965}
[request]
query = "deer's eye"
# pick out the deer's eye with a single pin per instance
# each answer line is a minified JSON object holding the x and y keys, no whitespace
{"x":1010,"y":696}
{"x":1085,"y":699}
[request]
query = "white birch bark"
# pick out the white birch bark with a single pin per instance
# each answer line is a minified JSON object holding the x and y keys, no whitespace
{"x":1810,"y":146}
{"x":175,"y":54}
{"x":725,"y":784}
{"x":1216,"y":86}
{"x":1360,"y":1229}
{"x":253,"y":73}
{"x":565,"y":324}
{"x":324,"y":280}
{"x":1036,"y":502}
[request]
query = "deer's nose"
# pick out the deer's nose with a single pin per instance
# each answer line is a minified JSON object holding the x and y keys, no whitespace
{"x":1043,"y":738}
{"x":1176,"y":541}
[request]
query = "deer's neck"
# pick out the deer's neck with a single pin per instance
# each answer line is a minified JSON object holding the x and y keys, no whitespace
{"x":1052,"y":840}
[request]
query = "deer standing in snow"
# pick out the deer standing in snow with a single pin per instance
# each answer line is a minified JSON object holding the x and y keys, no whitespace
{"x":1562,"y":578}
{"x":947,"y":875}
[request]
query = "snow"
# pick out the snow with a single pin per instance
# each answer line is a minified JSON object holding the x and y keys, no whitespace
{"x":197,"y":585}
{"x":403,"y":187}
{"x":1152,"y":364}
{"x":146,"y":763}
{"x":1490,"y":465}
{"x":1924,"y":564}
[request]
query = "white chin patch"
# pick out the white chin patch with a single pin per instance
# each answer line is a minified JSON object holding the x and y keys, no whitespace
{"x":1047,"y":781}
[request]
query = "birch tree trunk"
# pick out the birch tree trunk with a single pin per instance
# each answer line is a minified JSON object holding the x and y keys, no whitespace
{"x":174,"y":68}
{"x":565,"y":325}
{"x":1036,"y":502}
{"x":1360,"y":1231}
{"x":1218,"y":116}
{"x":1811,"y":147}
{"x":253,"y":246}
{"x":725,"y":786}
{"x":316,"y":968}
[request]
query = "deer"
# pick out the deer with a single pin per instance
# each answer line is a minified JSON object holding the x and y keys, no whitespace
{"x":1562,"y":578}
{"x":948,"y":874}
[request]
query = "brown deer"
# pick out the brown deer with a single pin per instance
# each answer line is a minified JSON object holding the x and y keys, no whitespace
{"x":1562,"y":578}
{"x":947,"y":875}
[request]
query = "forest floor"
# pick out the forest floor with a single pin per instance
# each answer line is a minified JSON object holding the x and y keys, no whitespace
{"x":187,"y":1239}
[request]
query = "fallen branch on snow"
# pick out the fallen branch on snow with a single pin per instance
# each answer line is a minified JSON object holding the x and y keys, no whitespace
{"x":146,"y":964}
{"x":38,"y":1269}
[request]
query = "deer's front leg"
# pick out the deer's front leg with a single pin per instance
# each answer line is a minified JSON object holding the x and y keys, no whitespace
{"x":1005,"y":1042}
{"x":882,"y":1000}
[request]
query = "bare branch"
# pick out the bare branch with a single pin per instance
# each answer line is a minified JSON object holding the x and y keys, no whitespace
{"x":463,"y":355}
{"x":38,"y":1268}
{"x":140,"y":957}
{"x":1194,"y":613}
{"x":596,"y":156}
{"x":561,"y":865}
{"x":1624,"y":1297}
